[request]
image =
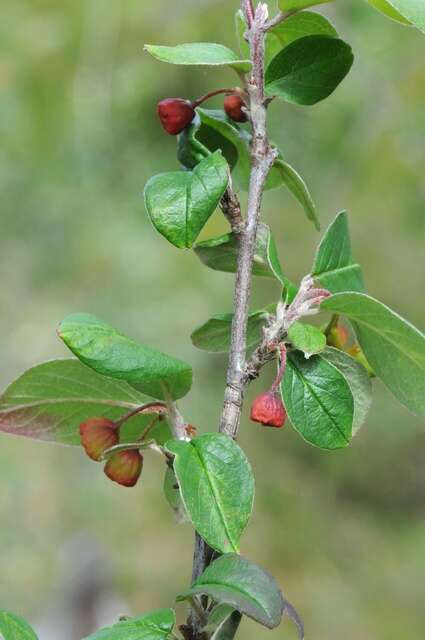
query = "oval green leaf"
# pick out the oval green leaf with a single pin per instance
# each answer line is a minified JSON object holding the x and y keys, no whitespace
{"x":49,"y":402}
{"x":307,"y":338}
{"x":296,"y":185}
{"x":318,"y":401}
{"x":394,"y":348}
{"x":110,"y":353}
{"x":412,"y":10}
{"x":299,"y":25}
{"x":179,"y":203}
{"x":13,"y":627}
{"x":199,"y":53}
{"x":221,"y":254}
{"x":217,"y":487}
{"x":157,"y":625}
{"x":212,"y":130}
{"x":387,"y":9}
{"x":236,"y":581}
{"x":358,"y":380}
{"x":309,"y":69}
{"x":215,"y":335}
{"x":334,"y":266}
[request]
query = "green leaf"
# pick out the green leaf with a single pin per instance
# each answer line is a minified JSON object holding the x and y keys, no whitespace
{"x":318,"y":401}
{"x":212,"y":130}
{"x":49,"y":402}
{"x":334,"y":266}
{"x":408,"y":12}
{"x":235,"y":581}
{"x":296,"y":5}
{"x":358,"y":380}
{"x":13,"y":627}
{"x":228,"y":629}
{"x":307,"y":338}
{"x":221,"y":254}
{"x":219,"y":615}
{"x":215,"y":334}
{"x":223,"y":622}
{"x":309,"y":69}
{"x":411,"y":10}
{"x":217,"y":487}
{"x":172,"y":495}
{"x":110,"y":353}
{"x":394,"y":348}
{"x":387,"y":9}
{"x":299,"y":25}
{"x":199,"y":53}
{"x":157,"y":625}
{"x":179,"y":203}
{"x":299,"y":190}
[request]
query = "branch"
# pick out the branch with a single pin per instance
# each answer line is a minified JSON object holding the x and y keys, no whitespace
{"x":262,"y":159}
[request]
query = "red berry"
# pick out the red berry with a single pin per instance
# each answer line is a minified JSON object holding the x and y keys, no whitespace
{"x":175,"y":114}
{"x":125,"y":467}
{"x":267,"y":409}
{"x":97,"y":435}
{"x":233,"y":107}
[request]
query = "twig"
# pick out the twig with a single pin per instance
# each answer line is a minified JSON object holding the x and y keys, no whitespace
{"x":279,"y":18}
{"x":262,"y":159}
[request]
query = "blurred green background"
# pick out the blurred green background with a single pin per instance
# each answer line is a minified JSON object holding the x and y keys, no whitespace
{"x":343,"y":532}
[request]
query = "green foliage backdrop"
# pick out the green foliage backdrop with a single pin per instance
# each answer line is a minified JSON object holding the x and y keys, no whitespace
{"x":79,"y":138}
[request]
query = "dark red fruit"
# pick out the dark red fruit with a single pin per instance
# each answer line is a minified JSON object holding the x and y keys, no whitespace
{"x":125,"y":467}
{"x":175,"y":114}
{"x":267,"y":409}
{"x":233,"y":107}
{"x":97,"y":435}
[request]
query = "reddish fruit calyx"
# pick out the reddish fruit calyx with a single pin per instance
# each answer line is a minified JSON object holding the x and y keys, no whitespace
{"x":125,"y":467}
{"x":268,"y":410}
{"x":97,"y":435}
{"x":175,"y":114}
{"x":234,"y":107}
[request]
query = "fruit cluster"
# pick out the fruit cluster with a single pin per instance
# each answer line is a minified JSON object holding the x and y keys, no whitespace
{"x":176,"y":114}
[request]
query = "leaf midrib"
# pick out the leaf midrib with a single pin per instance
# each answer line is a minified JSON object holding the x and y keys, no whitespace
{"x":214,"y":493}
{"x":325,"y":410}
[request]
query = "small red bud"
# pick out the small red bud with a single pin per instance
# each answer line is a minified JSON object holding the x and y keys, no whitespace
{"x":233,"y":107}
{"x":125,"y":467}
{"x":267,"y":409}
{"x":97,"y":435}
{"x":175,"y":114}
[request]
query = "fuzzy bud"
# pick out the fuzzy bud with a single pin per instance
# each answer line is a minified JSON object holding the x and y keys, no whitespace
{"x":125,"y":467}
{"x":233,"y":106}
{"x":97,"y":435}
{"x":175,"y":114}
{"x":268,"y":410}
